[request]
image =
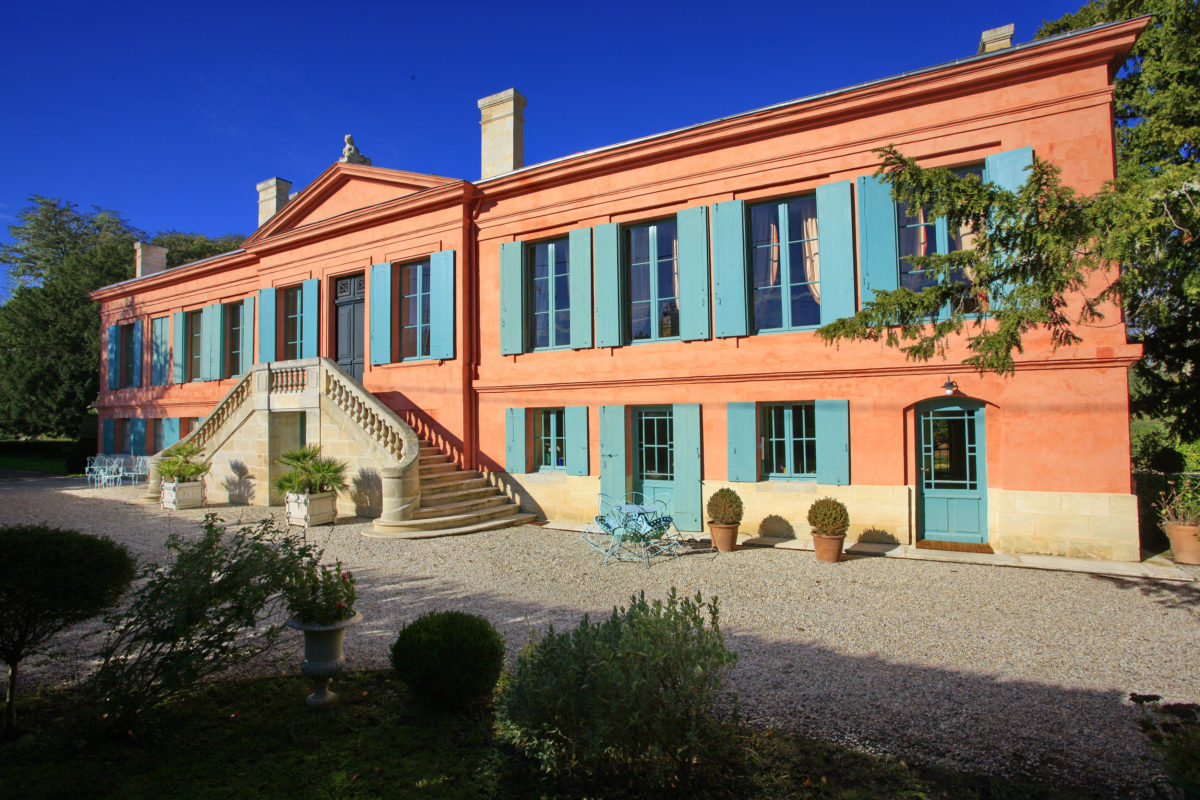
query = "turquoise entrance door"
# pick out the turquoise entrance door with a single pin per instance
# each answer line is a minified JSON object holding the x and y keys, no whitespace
{"x":654,"y":453}
{"x":952,"y":484}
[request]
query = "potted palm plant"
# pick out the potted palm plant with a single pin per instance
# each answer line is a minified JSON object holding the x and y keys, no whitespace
{"x":182,"y":477}
{"x":321,"y":601}
{"x":1179,"y":511}
{"x":829,"y":520}
{"x":725,"y":511}
{"x":310,"y":486}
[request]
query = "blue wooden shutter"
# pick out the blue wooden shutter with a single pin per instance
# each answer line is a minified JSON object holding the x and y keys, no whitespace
{"x":179,"y":353}
{"x":137,"y":437}
{"x":835,"y":244}
{"x":170,"y":426}
{"x":613,"y":481}
{"x":694,"y":314}
{"x":832,"y":419}
{"x":266,"y":325}
{"x":742,"y":422}
{"x":730,"y":283}
{"x":575,"y":419}
{"x":687,"y":501}
{"x":879,"y":255}
{"x":515,"y":461}
{"x":211,"y":357}
{"x":580,"y":249}
{"x":139,"y":345}
{"x":609,"y":282}
{"x":247,"y":344}
{"x":1008,"y":171}
{"x":381,"y":313}
{"x":310,"y":305}
{"x":512,"y":298}
{"x":160,"y":351}
{"x":108,"y":437}
{"x":441,"y":304}
{"x":114,"y":356}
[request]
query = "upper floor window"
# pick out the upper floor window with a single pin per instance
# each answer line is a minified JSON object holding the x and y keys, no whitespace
{"x":549,"y":269}
{"x":130,"y":353}
{"x":292,"y":322}
{"x":921,"y":234}
{"x":414,"y":310}
{"x":195,"y":346}
{"x":233,"y":339}
{"x":789,"y":440}
{"x":550,"y":438}
{"x":652,"y":275}
{"x":785,"y":265}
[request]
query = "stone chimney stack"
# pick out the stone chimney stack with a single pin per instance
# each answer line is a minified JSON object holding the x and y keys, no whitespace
{"x":148,"y":259}
{"x":272,"y":197}
{"x":502,"y":119}
{"x":996,"y":39}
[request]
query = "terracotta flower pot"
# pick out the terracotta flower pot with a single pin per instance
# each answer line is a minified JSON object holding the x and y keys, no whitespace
{"x":828,"y":548}
{"x":1184,"y":542}
{"x":724,"y":537}
{"x":323,"y":654}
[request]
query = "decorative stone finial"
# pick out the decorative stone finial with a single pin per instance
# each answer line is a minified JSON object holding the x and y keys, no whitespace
{"x":350,"y":154}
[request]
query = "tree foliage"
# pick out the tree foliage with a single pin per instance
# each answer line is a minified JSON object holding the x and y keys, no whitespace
{"x":49,"y":327}
{"x":1039,"y":248}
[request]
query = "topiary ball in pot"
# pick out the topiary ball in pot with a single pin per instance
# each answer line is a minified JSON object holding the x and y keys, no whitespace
{"x":449,"y":658}
{"x":725,"y":507}
{"x":828,"y":517}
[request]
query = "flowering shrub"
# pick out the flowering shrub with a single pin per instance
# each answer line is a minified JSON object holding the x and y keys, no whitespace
{"x":1180,"y":504}
{"x":320,"y":594}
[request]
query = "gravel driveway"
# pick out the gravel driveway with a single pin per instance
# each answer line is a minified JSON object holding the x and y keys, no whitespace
{"x":1002,"y":670}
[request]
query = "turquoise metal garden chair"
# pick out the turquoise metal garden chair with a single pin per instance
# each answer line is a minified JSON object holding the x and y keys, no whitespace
{"x":608,"y":528}
{"x":649,"y":530}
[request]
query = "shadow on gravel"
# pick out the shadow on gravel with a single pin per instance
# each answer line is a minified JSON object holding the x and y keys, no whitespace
{"x":1172,"y":594}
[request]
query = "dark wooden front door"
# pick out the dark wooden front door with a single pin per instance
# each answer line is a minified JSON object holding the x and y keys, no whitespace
{"x":348,"y":296}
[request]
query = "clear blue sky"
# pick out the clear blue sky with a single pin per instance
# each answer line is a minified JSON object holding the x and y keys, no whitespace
{"x":170,"y":112}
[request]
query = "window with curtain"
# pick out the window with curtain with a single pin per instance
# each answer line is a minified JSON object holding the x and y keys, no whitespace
{"x":548,"y":268}
{"x":195,"y":337}
{"x":550,"y":439}
{"x":233,"y":339}
{"x":292,"y":322}
{"x":923,"y":234}
{"x":652,"y":278}
{"x":785,"y":271}
{"x":789,"y":440}
{"x":414,"y":310}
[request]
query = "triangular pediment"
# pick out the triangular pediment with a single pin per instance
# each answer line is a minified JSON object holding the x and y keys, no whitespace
{"x":344,"y":188}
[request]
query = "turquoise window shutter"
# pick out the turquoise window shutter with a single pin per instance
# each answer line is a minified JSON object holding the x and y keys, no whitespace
{"x":138,"y":348}
{"x":878,"y":249}
{"x":835,"y":244}
{"x":742,"y":422}
{"x":114,"y":357}
{"x":179,"y":353}
{"x":211,"y":318}
{"x":730,"y":282}
{"x":170,"y":426}
{"x":514,"y":441}
{"x":613,"y":480}
{"x":108,"y":436}
{"x":247,"y":336}
{"x":576,"y":420}
{"x":1008,"y":171}
{"x":609,"y":282}
{"x":694,"y":313}
{"x":512,"y":299}
{"x":137,"y":437}
{"x":310,"y":304}
{"x":580,"y":247}
{"x":441,"y":304}
{"x":687,"y":502}
{"x":160,"y":351}
{"x":832,"y":419}
{"x":266,"y":325}
{"x":381,"y":313}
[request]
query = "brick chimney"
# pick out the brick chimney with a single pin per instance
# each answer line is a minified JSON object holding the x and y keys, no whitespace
{"x":996,"y":39}
{"x":502,"y":122}
{"x":148,"y":259}
{"x":272,"y":197}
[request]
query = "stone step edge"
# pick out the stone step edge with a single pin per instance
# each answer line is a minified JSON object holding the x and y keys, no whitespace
{"x":384,"y":532}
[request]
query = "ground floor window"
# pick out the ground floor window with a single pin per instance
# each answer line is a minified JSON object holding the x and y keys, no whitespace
{"x":655,"y":449}
{"x":789,"y":440}
{"x":550,"y":435}
{"x":154,"y":437}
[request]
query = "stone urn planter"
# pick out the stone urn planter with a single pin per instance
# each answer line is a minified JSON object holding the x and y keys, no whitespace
{"x":323,"y":657}
{"x":175,"y":495}
{"x":1184,"y":542}
{"x":724,"y":537}
{"x":310,"y":509}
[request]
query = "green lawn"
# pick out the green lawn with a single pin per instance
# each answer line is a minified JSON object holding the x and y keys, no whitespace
{"x":256,"y":739}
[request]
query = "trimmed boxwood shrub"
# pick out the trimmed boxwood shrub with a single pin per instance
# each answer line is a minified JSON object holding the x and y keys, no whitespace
{"x":449,"y":658}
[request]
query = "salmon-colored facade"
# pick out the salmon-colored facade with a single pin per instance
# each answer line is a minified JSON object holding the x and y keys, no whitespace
{"x":1039,"y":459}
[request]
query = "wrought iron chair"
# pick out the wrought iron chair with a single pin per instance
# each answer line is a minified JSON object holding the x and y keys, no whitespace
{"x":649,"y":530}
{"x":608,"y":528}
{"x":137,"y":469}
{"x":111,"y":473}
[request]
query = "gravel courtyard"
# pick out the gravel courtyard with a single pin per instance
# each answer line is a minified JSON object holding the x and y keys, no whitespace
{"x":1008,"y":671}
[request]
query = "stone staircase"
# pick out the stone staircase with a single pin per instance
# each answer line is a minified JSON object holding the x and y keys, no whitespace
{"x":453,"y":502}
